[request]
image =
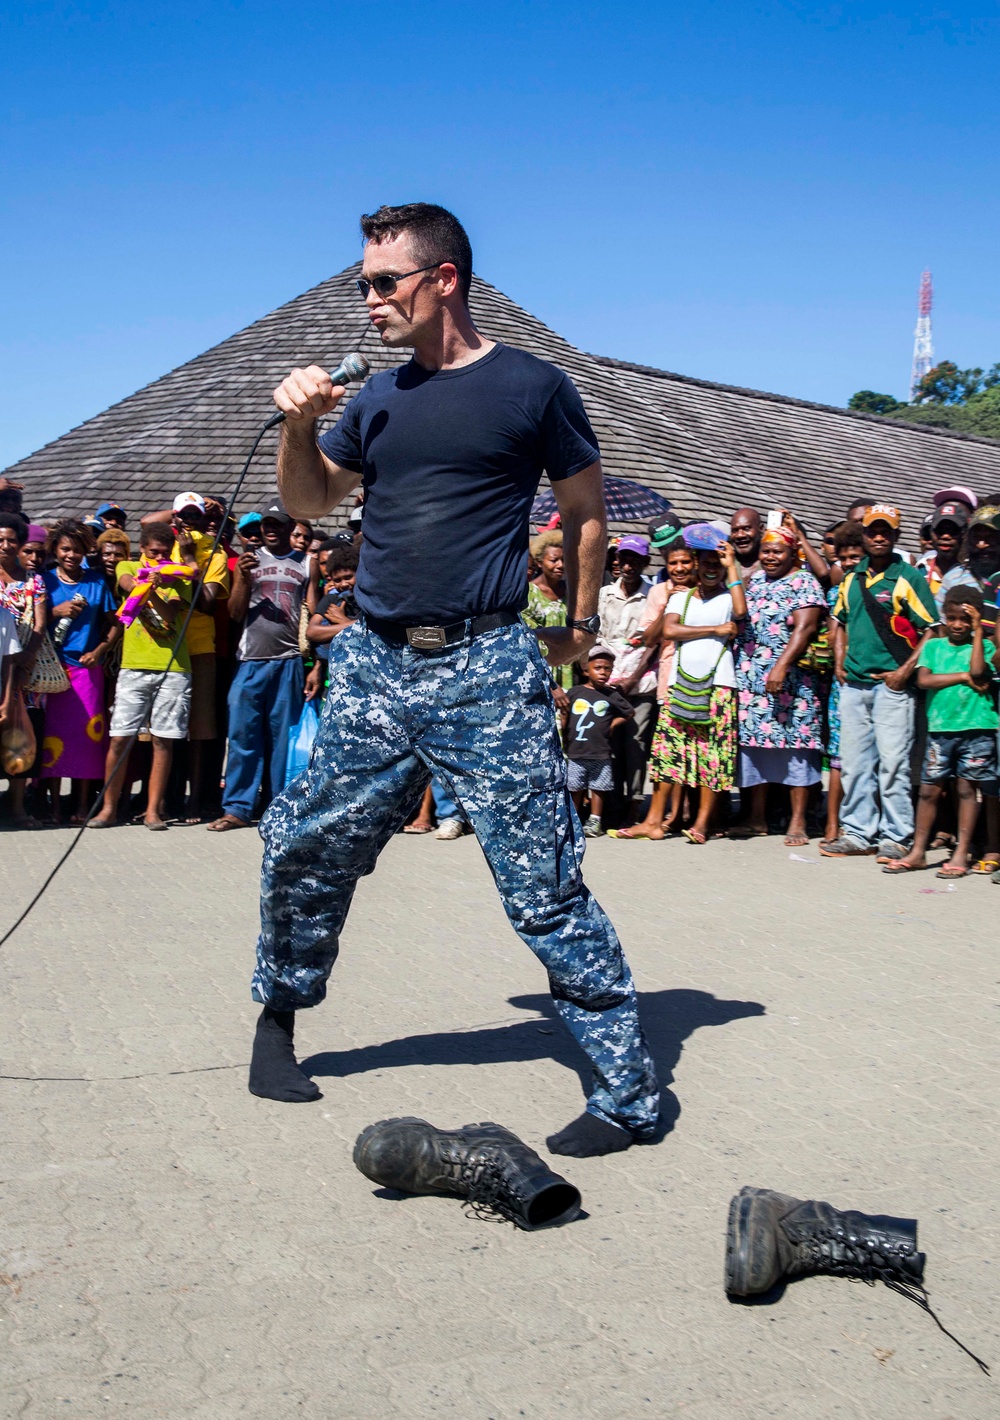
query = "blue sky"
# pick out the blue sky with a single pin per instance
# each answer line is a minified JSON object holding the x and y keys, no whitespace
{"x":744,"y":193}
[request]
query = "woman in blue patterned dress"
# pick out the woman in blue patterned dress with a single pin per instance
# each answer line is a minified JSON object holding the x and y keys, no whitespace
{"x":779,"y":704}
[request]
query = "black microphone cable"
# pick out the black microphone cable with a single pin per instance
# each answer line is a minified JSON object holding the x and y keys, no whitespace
{"x":122,"y":759}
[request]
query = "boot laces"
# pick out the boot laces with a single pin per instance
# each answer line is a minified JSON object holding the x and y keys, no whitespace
{"x":483,"y":1180}
{"x":870,"y":1265}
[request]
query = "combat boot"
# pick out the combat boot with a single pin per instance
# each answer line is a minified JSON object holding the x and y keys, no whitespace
{"x":483,"y":1163}
{"x":772,"y":1237}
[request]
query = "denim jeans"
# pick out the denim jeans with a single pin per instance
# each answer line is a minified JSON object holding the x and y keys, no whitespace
{"x":876,"y":737}
{"x":446,"y":806}
{"x":265,"y":700}
{"x":478,"y":715}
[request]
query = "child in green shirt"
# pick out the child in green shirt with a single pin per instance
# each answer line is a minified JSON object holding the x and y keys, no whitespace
{"x":962,"y":728}
{"x":154,"y":684}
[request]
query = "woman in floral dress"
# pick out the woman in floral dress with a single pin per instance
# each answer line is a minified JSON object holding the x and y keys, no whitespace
{"x":23,"y":595}
{"x":779,"y":704}
{"x":547,"y":600}
{"x":702,"y":622}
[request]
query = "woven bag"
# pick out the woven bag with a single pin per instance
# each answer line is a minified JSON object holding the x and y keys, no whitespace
{"x":691,"y":696}
{"x":47,"y":676}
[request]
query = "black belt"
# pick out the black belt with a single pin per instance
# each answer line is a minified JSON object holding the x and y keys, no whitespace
{"x":435,"y":638}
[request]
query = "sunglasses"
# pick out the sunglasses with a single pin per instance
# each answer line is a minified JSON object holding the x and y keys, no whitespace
{"x":386,"y":285}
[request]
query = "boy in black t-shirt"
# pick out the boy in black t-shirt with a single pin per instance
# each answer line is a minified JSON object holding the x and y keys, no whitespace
{"x":594,"y":710}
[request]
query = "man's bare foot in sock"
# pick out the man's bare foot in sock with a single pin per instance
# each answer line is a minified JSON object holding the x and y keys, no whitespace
{"x":589,"y":1136}
{"x":274,"y":1072}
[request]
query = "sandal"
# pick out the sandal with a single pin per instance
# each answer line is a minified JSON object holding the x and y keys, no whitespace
{"x":695,"y":836}
{"x":226,"y":823}
{"x":951,"y":870}
{"x":985,"y":866}
{"x":895,"y":866}
{"x":943,"y":840}
{"x":418,"y":828}
{"x":797,"y":840}
{"x":637,"y":830}
{"x":744,"y":831}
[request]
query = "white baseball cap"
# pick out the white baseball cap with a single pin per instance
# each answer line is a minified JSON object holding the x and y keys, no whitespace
{"x":958,"y":494}
{"x":189,"y":500}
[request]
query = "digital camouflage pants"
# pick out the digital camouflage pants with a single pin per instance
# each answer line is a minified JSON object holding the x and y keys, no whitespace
{"x":478,"y":714}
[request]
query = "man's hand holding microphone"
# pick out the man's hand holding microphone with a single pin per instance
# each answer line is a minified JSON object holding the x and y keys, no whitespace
{"x":306,"y":395}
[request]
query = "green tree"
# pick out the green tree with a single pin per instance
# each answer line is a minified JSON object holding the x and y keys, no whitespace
{"x":947,"y":384}
{"x":981,"y":414}
{"x":871,"y":403}
{"x":946,"y":398}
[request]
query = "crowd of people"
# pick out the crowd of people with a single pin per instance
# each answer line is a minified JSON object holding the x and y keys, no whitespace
{"x":748,"y":678}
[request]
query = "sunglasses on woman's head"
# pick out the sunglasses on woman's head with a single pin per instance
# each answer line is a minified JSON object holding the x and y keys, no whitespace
{"x":386,"y":285}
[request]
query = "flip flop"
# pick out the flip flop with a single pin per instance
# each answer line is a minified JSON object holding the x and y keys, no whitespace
{"x":798,"y":840}
{"x":895,"y":866}
{"x":157,"y":827}
{"x":226,"y":823}
{"x":631,"y":833}
{"x":421,"y":828}
{"x":947,"y":871}
{"x":743,"y":831}
{"x":694,"y":836}
{"x":985,"y":866}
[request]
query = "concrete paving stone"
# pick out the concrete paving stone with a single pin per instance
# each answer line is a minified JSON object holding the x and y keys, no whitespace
{"x":172,"y":1246}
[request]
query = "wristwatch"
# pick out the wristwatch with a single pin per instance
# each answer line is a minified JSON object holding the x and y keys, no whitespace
{"x":590,"y":624}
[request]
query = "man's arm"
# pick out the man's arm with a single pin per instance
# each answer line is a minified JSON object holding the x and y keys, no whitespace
{"x":310,"y":484}
{"x":899,"y":679}
{"x":580,"y":500}
{"x":239,"y":597}
{"x":839,"y":651}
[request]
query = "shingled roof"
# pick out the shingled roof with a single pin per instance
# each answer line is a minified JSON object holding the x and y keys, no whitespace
{"x":709,"y":448}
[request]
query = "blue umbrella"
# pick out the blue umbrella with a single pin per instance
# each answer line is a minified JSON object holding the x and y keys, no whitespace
{"x":625,"y":501}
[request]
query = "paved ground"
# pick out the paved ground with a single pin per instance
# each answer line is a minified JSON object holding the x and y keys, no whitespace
{"x":173,"y":1247}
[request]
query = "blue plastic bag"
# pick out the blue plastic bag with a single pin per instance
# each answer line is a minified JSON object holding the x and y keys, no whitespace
{"x":300,"y":742}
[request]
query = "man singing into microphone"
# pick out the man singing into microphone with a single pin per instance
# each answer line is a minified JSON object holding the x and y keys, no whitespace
{"x":439,"y":674}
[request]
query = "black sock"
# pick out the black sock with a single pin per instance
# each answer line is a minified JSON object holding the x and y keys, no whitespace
{"x":274,"y":1074}
{"x":587,"y":1136}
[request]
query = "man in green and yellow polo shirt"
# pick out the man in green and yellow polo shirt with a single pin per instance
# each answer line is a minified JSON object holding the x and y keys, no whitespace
{"x":884,"y":608}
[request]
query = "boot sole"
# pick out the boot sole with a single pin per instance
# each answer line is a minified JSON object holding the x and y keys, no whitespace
{"x":744,"y":1266}
{"x":738,"y":1246}
{"x":365,"y":1135}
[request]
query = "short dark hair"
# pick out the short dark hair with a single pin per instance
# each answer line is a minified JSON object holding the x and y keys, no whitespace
{"x":343,"y":558}
{"x":436,"y":235}
{"x":959,"y":596}
{"x":17,"y":525}
{"x":304,"y":523}
{"x":156,"y":532}
{"x":847,"y":534}
{"x":74,"y":531}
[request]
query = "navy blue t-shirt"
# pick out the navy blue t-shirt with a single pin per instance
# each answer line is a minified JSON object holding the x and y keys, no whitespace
{"x":450,"y":463}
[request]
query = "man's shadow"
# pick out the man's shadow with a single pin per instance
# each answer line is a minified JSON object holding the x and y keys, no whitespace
{"x":668,"y":1018}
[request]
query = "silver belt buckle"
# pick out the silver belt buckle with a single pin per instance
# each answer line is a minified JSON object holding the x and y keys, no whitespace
{"x":426,"y":638}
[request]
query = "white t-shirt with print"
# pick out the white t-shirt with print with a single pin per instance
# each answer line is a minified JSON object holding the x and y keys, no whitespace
{"x":698,"y":657}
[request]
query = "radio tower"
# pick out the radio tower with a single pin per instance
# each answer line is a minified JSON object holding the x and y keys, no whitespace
{"x":923,"y":344}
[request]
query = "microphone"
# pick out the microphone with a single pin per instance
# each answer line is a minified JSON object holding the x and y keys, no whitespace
{"x":352,"y":367}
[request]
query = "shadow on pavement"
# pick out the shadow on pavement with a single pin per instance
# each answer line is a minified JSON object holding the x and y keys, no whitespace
{"x":668,"y":1018}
